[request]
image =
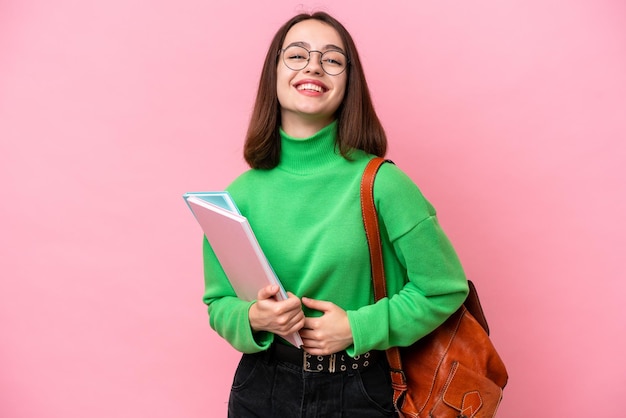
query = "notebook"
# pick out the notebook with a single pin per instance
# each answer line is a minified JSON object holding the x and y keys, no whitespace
{"x":235,"y":246}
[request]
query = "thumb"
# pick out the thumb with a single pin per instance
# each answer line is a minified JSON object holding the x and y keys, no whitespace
{"x":267,"y":292}
{"x":318,"y":305}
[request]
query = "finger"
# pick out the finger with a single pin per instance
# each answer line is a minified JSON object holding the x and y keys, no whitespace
{"x":291,"y":295}
{"x":293,"y":300}
{"x":310,"y":323}
{"x":309,"y":342}
{"x":310,"y":331}
{"x":297,"y":326}
{"x":291,"y":316}
{"x":318,"y":305}
{"x":315,"y":347}
{"x":293,"y":325}
{"x":307,"y":332}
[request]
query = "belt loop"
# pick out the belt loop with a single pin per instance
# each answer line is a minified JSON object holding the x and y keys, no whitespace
{"x":331,"y":363}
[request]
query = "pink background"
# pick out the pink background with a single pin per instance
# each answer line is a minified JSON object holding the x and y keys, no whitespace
{"x":508,"y":114}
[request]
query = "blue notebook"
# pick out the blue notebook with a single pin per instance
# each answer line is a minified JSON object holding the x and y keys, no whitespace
{"x":221,"y":199}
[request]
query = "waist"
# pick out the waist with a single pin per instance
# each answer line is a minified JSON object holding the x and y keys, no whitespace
{"x":333,"y":363}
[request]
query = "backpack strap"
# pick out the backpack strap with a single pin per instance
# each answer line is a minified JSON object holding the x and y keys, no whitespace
{"x":370,"y":221}
{"x":372,"y":231}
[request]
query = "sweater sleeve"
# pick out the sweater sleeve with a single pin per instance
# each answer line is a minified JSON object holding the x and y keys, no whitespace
{"x":425,"y":279}
{"x":228,"y":315}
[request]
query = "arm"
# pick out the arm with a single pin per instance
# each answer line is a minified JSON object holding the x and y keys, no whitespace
{"x":425,"y":280}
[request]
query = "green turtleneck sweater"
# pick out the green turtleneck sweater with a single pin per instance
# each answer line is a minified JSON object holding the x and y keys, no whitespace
{"x":306,"y":214}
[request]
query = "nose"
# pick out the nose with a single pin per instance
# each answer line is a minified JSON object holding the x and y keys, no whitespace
{"x":314,"y":64}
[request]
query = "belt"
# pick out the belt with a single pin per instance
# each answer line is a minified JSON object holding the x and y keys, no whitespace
{"x":332,"y":363}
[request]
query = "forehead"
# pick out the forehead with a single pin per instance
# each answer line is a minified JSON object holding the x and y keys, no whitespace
{"x":315,"y":33}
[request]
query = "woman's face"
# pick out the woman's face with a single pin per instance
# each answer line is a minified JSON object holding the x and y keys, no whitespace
{"x":309,"y":96}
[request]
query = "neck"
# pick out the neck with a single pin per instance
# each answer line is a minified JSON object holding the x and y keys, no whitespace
{"x":298,"y":127}
{"x":310,"y":154}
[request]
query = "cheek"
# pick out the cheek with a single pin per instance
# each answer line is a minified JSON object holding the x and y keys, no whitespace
{"x":341,"y":88}
{"x":281,"y":94}
{"x":282,"y":85}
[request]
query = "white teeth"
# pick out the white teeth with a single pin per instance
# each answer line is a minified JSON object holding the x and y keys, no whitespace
{"x":310,"y":86}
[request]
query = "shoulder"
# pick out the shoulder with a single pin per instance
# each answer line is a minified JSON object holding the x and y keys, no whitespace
{"x":395,"y":184}
{"x":247,"y":179}
{"x":398,"y":198}
{"x":392,"y":179}
{"x":244,"y":185}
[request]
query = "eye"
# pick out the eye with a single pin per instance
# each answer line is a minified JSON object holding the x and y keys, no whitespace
{"x":334,"y":58}
{"x":296,"y":53}
{"x":332,"y":61}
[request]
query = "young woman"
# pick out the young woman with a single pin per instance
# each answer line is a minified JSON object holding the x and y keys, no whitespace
{"x":312,"y":131}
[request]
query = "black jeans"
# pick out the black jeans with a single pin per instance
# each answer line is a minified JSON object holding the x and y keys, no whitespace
{"x":264,"y":388}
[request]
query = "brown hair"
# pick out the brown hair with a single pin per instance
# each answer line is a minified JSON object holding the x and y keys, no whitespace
{"x":358,"y":126}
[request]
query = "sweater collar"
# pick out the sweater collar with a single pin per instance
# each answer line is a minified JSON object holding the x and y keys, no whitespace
{"x":308,"y":155}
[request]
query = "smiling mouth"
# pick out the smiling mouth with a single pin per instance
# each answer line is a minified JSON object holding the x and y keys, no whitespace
{"x":310,"y":87}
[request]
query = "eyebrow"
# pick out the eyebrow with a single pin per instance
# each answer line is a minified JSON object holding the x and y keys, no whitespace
{"x":325,"y":48}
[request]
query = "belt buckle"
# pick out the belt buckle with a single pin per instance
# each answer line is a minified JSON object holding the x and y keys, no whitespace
{"x":306,"y":363}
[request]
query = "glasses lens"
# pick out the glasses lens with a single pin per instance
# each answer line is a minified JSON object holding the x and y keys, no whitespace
{"x":295,"y":57}
{"x":334,"y":62}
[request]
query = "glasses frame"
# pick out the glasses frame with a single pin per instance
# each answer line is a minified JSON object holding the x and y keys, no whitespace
{"x":321,"y":61}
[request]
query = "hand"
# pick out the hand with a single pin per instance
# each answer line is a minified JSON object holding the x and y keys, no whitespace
{"x":328,"y":333}
{"x":279,"y":317}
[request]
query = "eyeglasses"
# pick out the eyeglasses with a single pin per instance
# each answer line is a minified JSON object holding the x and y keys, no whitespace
{"x":333,"y":62}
